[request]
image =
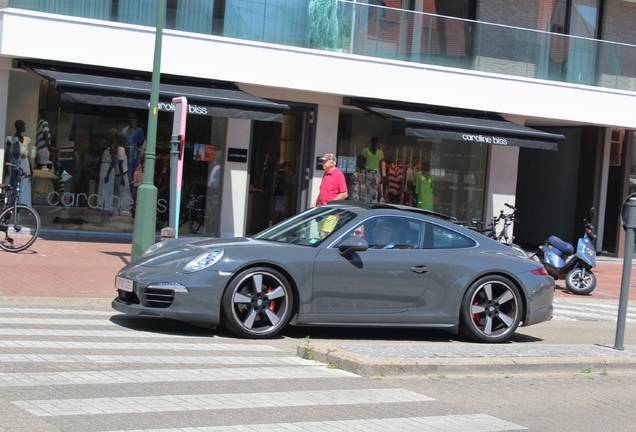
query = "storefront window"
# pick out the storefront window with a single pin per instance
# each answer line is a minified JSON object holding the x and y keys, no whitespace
{"x":96,"y":164}
{"x":440,"y":175}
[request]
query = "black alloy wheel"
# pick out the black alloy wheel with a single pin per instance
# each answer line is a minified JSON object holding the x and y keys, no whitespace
{"x":257,"y":303}
{"x":491,"y":310}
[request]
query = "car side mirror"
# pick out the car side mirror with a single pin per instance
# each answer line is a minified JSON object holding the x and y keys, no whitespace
{"x":352,"y":244}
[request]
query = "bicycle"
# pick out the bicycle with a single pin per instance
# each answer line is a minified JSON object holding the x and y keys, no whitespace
{"x":504,"y":235}
{"x":196,"y":212}
{"x":19,"y":223}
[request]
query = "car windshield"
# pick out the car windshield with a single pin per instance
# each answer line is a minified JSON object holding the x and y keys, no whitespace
{"x":309,"y":228}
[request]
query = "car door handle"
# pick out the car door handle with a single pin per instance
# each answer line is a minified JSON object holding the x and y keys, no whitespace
{"x":420,"y":269}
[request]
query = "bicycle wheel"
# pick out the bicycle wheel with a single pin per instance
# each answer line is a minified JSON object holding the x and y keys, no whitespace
{"x":195,"y":220}
{"x":18,"y":230}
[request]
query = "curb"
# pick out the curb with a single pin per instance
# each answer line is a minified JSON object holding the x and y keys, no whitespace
{"x":367,"y":366}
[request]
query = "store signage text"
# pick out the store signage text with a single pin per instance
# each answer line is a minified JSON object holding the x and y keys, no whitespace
{"x":485,"y":139}
{"x":68,"y":199}
{"x":192,"y":109}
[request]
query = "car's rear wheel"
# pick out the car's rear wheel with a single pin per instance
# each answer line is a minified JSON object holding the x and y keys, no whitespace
{"x":257,"y":304}
{"x":491,"y":310}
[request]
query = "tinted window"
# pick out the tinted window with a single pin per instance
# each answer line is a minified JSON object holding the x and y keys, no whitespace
{"x":389,"y":232}
{"x":309,"y":228}
{"x":438,"y":237}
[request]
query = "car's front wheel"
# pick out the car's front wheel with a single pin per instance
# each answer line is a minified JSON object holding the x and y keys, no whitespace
{"x":257,"y":304}
{"x":491,"y":310}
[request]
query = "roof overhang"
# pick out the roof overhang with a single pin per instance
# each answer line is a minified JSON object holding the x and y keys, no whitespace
{"x":426,"y":123}
{"x":135,"y":93}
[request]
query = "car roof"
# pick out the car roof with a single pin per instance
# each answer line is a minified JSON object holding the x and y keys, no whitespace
{"x":387,"y":206}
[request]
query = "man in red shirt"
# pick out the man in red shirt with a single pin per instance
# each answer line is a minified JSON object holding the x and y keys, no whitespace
{"x":332,"y":187}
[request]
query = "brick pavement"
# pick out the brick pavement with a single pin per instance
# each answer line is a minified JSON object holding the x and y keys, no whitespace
{"x":64,"y":268}
{"x":86,"y":269}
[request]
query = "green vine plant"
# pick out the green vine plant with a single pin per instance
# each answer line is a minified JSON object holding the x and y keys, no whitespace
{"x":324,"y":28}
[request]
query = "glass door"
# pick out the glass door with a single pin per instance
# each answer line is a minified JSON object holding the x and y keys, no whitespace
{"x":278,"y":169}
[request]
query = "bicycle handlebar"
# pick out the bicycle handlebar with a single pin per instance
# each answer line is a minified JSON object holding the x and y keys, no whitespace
{"x":19,"y":168}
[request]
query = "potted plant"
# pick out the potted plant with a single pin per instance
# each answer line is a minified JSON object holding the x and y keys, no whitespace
{"x":324,"y":29}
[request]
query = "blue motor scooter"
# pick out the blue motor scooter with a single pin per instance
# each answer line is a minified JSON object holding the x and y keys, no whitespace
{"x":561,"y":262}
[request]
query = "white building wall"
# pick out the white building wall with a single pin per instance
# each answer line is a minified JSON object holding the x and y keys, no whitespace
{"x":5,"y":67}
{"x":501,"y":186}
{"x":235,"y":181}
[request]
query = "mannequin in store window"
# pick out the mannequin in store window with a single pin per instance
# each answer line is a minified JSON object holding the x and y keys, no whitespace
{"x":21,"y":153}
{"x":424,"y":187}
{"x":106,"y":187}
{"x":43,"y":143}
{"x":373,"y":158}
{"x":134,"y":142}
{"x":395,"y":182}
{"x":122,"y":181}
{"x":358,"y":181}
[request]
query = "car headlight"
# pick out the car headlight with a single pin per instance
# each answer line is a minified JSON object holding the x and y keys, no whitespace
{"x":203,"y":261}
{"x":152,"y":249}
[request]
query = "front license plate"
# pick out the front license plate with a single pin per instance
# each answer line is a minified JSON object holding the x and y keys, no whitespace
{"x":123,"y":284}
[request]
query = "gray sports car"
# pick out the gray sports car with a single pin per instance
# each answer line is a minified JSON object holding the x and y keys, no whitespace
{"x":342,"y":264}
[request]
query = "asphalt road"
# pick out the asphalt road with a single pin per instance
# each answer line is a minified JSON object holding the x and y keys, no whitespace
{"x":76,"y":365}
{"x":69,"y":362}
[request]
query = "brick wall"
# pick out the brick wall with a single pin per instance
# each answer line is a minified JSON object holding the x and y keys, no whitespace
{"x":618,"y":22}
{"x":517,"y":13}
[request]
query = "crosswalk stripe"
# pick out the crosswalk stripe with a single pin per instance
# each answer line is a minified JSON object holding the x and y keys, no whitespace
{"x":55,"y":322}
{"x":592,"y":311}
{"x":209,"y":345}
{"x":51,"y":311}
{"x":449,"y":423}
{"x":162,"y":359}
{"x":313,"y":370}
{"x":603,"y":309}
{"x":152,"y":404}
{"x":92,"y":333}
{"x":612,"y":306}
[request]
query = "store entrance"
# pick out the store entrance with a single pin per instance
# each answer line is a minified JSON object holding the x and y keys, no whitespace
{"x":278,"y":166}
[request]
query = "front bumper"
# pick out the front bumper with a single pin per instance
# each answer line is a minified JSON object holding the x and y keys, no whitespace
{"x":195,"y":299}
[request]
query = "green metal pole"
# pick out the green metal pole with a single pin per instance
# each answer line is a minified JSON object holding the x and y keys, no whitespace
{"x":146,"y":212}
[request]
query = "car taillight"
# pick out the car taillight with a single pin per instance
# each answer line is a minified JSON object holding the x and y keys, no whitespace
{"x":540,"y":272}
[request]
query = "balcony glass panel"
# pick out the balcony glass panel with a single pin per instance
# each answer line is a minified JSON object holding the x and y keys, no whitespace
{"x":98,"y":9}
{"x":375,"y":31}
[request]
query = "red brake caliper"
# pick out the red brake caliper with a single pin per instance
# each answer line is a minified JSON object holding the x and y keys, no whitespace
{"x":476,"y":317}
{"x":272,"y":304}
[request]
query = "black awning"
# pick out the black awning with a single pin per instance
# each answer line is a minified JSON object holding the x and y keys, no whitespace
{"x":482,"y":130}
{"x":135,"y":93}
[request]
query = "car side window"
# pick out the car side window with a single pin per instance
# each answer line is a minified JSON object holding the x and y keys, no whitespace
{"x":438,"y":237}
{"x":391,"y":232}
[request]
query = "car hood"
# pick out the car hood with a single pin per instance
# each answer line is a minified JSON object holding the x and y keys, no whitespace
{"x":175,"y":254}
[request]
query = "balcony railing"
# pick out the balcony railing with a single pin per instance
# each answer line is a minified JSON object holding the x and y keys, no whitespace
{"x":375,"y":31}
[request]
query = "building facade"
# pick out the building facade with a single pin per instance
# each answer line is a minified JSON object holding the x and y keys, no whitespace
{"x":491,"y":101}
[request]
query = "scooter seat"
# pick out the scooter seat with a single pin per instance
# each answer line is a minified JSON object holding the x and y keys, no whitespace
{"x":564,"y":247}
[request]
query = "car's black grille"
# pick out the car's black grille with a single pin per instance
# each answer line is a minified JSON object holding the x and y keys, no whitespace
{"x":156,"y":297}
{"x":128,"y":297}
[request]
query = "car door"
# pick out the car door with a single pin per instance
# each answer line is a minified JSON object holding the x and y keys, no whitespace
{"x":372,"y":282}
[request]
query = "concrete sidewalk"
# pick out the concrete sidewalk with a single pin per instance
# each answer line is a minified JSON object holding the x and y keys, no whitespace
{"x":59,"y":272}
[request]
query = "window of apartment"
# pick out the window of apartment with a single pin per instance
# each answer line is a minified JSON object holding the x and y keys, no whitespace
{"x":572,"y":17}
